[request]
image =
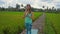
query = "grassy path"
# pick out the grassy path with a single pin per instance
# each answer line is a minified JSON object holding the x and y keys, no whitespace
{"x":38,"y":24}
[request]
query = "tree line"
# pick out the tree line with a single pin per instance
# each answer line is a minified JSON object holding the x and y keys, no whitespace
{"x":17,"y":8}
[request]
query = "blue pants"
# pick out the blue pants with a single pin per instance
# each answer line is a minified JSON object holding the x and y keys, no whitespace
{"x":28,"y":28}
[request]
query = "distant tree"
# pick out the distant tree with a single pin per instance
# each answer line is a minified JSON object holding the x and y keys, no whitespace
{"x":0,"y":8}
{"x":43,"y":7}
{"x":21,"y":5}
{"x":3,"y":8}
{"x":10,"y":8}
{"x":17,"y":6}
{"x":53,"y":8}
{"x":47,"y":8}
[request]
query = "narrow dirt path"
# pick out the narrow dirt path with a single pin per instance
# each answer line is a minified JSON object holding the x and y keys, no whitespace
{"x":38,"y":24}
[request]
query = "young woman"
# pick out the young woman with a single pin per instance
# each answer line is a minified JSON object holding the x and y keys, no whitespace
{"x":28,"y":15}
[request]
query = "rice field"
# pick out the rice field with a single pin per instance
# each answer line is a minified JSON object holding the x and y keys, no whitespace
{"x":52,"y":23}
{"x":12,"y":22}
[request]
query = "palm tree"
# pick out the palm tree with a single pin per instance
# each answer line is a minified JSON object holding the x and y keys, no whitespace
{"x":43,"y":7}
{"x":21,"y":5}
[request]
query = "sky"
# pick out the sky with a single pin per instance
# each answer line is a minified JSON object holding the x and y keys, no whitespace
{"x":33,"y":3}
